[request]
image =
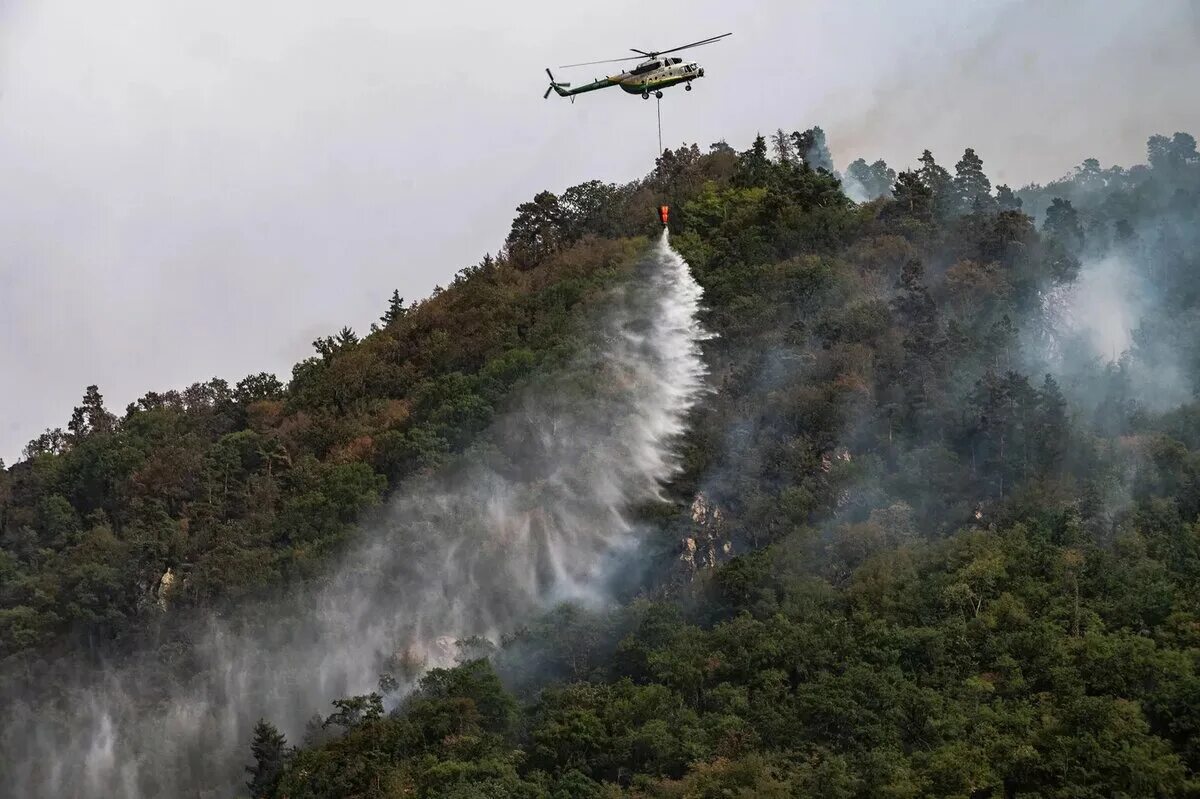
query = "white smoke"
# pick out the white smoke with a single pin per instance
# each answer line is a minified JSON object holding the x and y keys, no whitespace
{"x":1095,"y":322}
{"x":1096,"y":313}
{"x":1101,"y":309}
{"x":536,"y":517}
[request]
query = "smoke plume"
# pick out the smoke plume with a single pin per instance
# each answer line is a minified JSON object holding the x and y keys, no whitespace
{"x":534,"y":515}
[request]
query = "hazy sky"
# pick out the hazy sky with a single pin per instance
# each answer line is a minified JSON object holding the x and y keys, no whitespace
{"x":191,"y":190}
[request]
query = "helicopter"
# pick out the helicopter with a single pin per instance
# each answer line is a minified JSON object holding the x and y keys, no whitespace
{"x":652,"y":75}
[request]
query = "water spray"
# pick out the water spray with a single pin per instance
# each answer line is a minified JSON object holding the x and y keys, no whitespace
{"x":538,"y":515}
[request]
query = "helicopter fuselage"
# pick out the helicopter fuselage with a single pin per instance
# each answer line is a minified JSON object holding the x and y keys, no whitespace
{"x":657,"y":74}
{"x":658,"y":71}
{"x":649,"y":76}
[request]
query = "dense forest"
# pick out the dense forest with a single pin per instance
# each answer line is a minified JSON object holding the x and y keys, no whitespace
{"x":931,"y":536}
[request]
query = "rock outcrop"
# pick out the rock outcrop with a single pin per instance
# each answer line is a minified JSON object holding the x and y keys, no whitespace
{"x":707,"y":545}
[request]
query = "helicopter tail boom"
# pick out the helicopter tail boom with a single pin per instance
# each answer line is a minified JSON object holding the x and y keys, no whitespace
{"x":564,"y":89}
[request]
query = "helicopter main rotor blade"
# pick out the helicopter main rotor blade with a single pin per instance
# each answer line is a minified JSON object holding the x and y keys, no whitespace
{"x":648,"y":54}
{"x":709,"y":40}
{"x":605,"y":61}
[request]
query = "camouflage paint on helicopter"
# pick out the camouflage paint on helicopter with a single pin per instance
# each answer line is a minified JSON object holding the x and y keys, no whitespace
{"x":652,"y":75}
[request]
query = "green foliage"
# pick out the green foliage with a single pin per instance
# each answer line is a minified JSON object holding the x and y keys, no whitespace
{"x":972,"y":188}
{"x":231,"y":491}
{"x":934,"y":569}
{"x":268,"y":749}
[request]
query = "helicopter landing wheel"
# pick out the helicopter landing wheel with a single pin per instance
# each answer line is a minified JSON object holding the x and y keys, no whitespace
{"x":658,"y":95}
{"x":645,"y":95}
{"x":687,"y":88}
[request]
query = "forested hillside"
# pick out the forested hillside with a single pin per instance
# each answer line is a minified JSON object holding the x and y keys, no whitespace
{"x":931,"y":538}
{"x":197,"y":497}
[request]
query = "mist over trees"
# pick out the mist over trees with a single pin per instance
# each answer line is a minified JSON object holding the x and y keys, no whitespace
{"x":930,"y":539}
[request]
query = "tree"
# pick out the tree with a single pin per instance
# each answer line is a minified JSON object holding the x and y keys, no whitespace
{"x":1172,"y":155}
{"x":52,"y":442}
{"x":591,"y":208}
{"x":354,"y":710}
{"x":1062,"y":224}
{"x":268,"y":748}
{"x":329,"y":346}
{"x":754,"y":167}
{"x":940,"y":185}
{"x":673,"y":168}
{"x":811,"y":148}
{"x":537,"y":230}
{"x":1051,"y":433}
{"x":870,"y":181}
{"x":395,"y":309}
{"x":785,"y":152}
{"x":255,"y":388}
{"x":91,"y":416}
{"x":913,"y":196}
{"x":1088,"y":175}
{"x":1006,"y":200}
{"x":971,"y":185}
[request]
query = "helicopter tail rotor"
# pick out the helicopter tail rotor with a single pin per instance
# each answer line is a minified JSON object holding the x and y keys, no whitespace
{"x":555,"y":86}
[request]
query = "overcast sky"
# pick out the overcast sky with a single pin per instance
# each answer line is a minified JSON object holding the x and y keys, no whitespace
{"x":191,"y":189}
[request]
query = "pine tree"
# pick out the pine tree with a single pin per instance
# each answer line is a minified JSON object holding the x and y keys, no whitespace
{"x":395,"y":309}
{"x":1052,"y":426}
{"x":940,"y":185}
{"x":913,"y":196}
{"x":91,"y":416}
{"x":971,"y":183}
{"x":268,"y":748}
{"x":754,"y":167}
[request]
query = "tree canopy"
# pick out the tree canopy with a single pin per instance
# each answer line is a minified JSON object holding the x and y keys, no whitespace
{"x":925,"y":541}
